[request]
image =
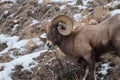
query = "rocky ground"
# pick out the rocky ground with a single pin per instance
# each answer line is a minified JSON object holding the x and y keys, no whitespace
{"x":22,"y":52}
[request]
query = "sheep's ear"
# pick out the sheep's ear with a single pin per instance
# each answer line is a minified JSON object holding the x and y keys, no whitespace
{"x":65,"y":24}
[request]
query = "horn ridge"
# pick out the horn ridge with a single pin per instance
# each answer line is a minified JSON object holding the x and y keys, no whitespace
{"x":64,"y":21}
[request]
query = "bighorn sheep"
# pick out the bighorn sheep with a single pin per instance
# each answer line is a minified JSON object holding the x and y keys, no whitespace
{"x":84,"y":42}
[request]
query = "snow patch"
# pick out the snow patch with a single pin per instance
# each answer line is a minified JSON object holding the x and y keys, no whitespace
{"x":14,"y":1}
{"x":44,"y":35}
{"x":104,"y":68}
{"x":62,"y":7}
{"x":113,"y":4}
{"x":34,"y":22}
{"x":40,"y":1}
{"x":81,"y":7}
{"x":12,"y":42}
{"x":6,"y":12}
{"x":12,"y":56}
{"x":24,"y":61}
{"x":8,"y":39}
{"x":22,"y":43}
{"x":11,"y":16}
{"x":15,"y":21}
{"x":85,"y":2}
{"x":77,"y":17}
{"x":114,"y":12}
{"x":19,"y":44}
{"x":15,"y":26}
{"x":70,"y":2}
{"x":63,"y":0}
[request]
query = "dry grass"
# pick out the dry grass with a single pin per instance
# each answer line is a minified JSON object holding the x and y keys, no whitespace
{"x":5,"y":58}
{"x":3,"y":46}
{"x":98,"y":14}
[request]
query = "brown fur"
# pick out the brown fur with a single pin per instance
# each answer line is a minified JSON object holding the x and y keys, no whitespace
{"x":86,"y":42}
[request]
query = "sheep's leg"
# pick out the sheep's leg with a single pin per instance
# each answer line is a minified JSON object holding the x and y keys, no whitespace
{"x":91,"y":63}
{"x":118,"y":52}
{"x":86,"y":73}
{"x":116,"y":43}
{"x":82,"y":62}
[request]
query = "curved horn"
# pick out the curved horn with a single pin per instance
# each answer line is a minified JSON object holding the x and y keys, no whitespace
{"x":65,"y":24}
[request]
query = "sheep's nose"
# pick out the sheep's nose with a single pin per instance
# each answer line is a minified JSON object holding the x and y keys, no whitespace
{"x":49,"y":44}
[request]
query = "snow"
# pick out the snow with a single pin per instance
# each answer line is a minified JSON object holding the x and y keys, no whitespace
{"x":12,"y":42}
{"x":15,"y":26}
{"x":77,"y":16}
{"x":6,"y":12}
{"x":81,"y":7}
{"x":19,"y":44}
{"x":113,"y":4}
{"x":104,"y":68}
{"x":44,"y":35}
{"x":34,"y":22}
{"x":14,"y":1}
{"x":62,"y":7}
{"x":40,"y":1}
{"x":63,"y":0}
{"x":70,"y":2}
{"x":85,"y":2}
{"x":15,"y":21}
{"x":8,"y":39}
{"x":12,"y":56}
{"x":114,"y":12}
{"x":11,"y":16}
{"x":24,"y":61}
{"x":9,"y":42}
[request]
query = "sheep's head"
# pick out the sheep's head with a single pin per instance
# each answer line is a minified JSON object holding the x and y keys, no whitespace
{"x":60,"y":26}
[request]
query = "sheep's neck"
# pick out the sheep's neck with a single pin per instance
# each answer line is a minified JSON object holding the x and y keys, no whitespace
{"x":65,"y":45}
